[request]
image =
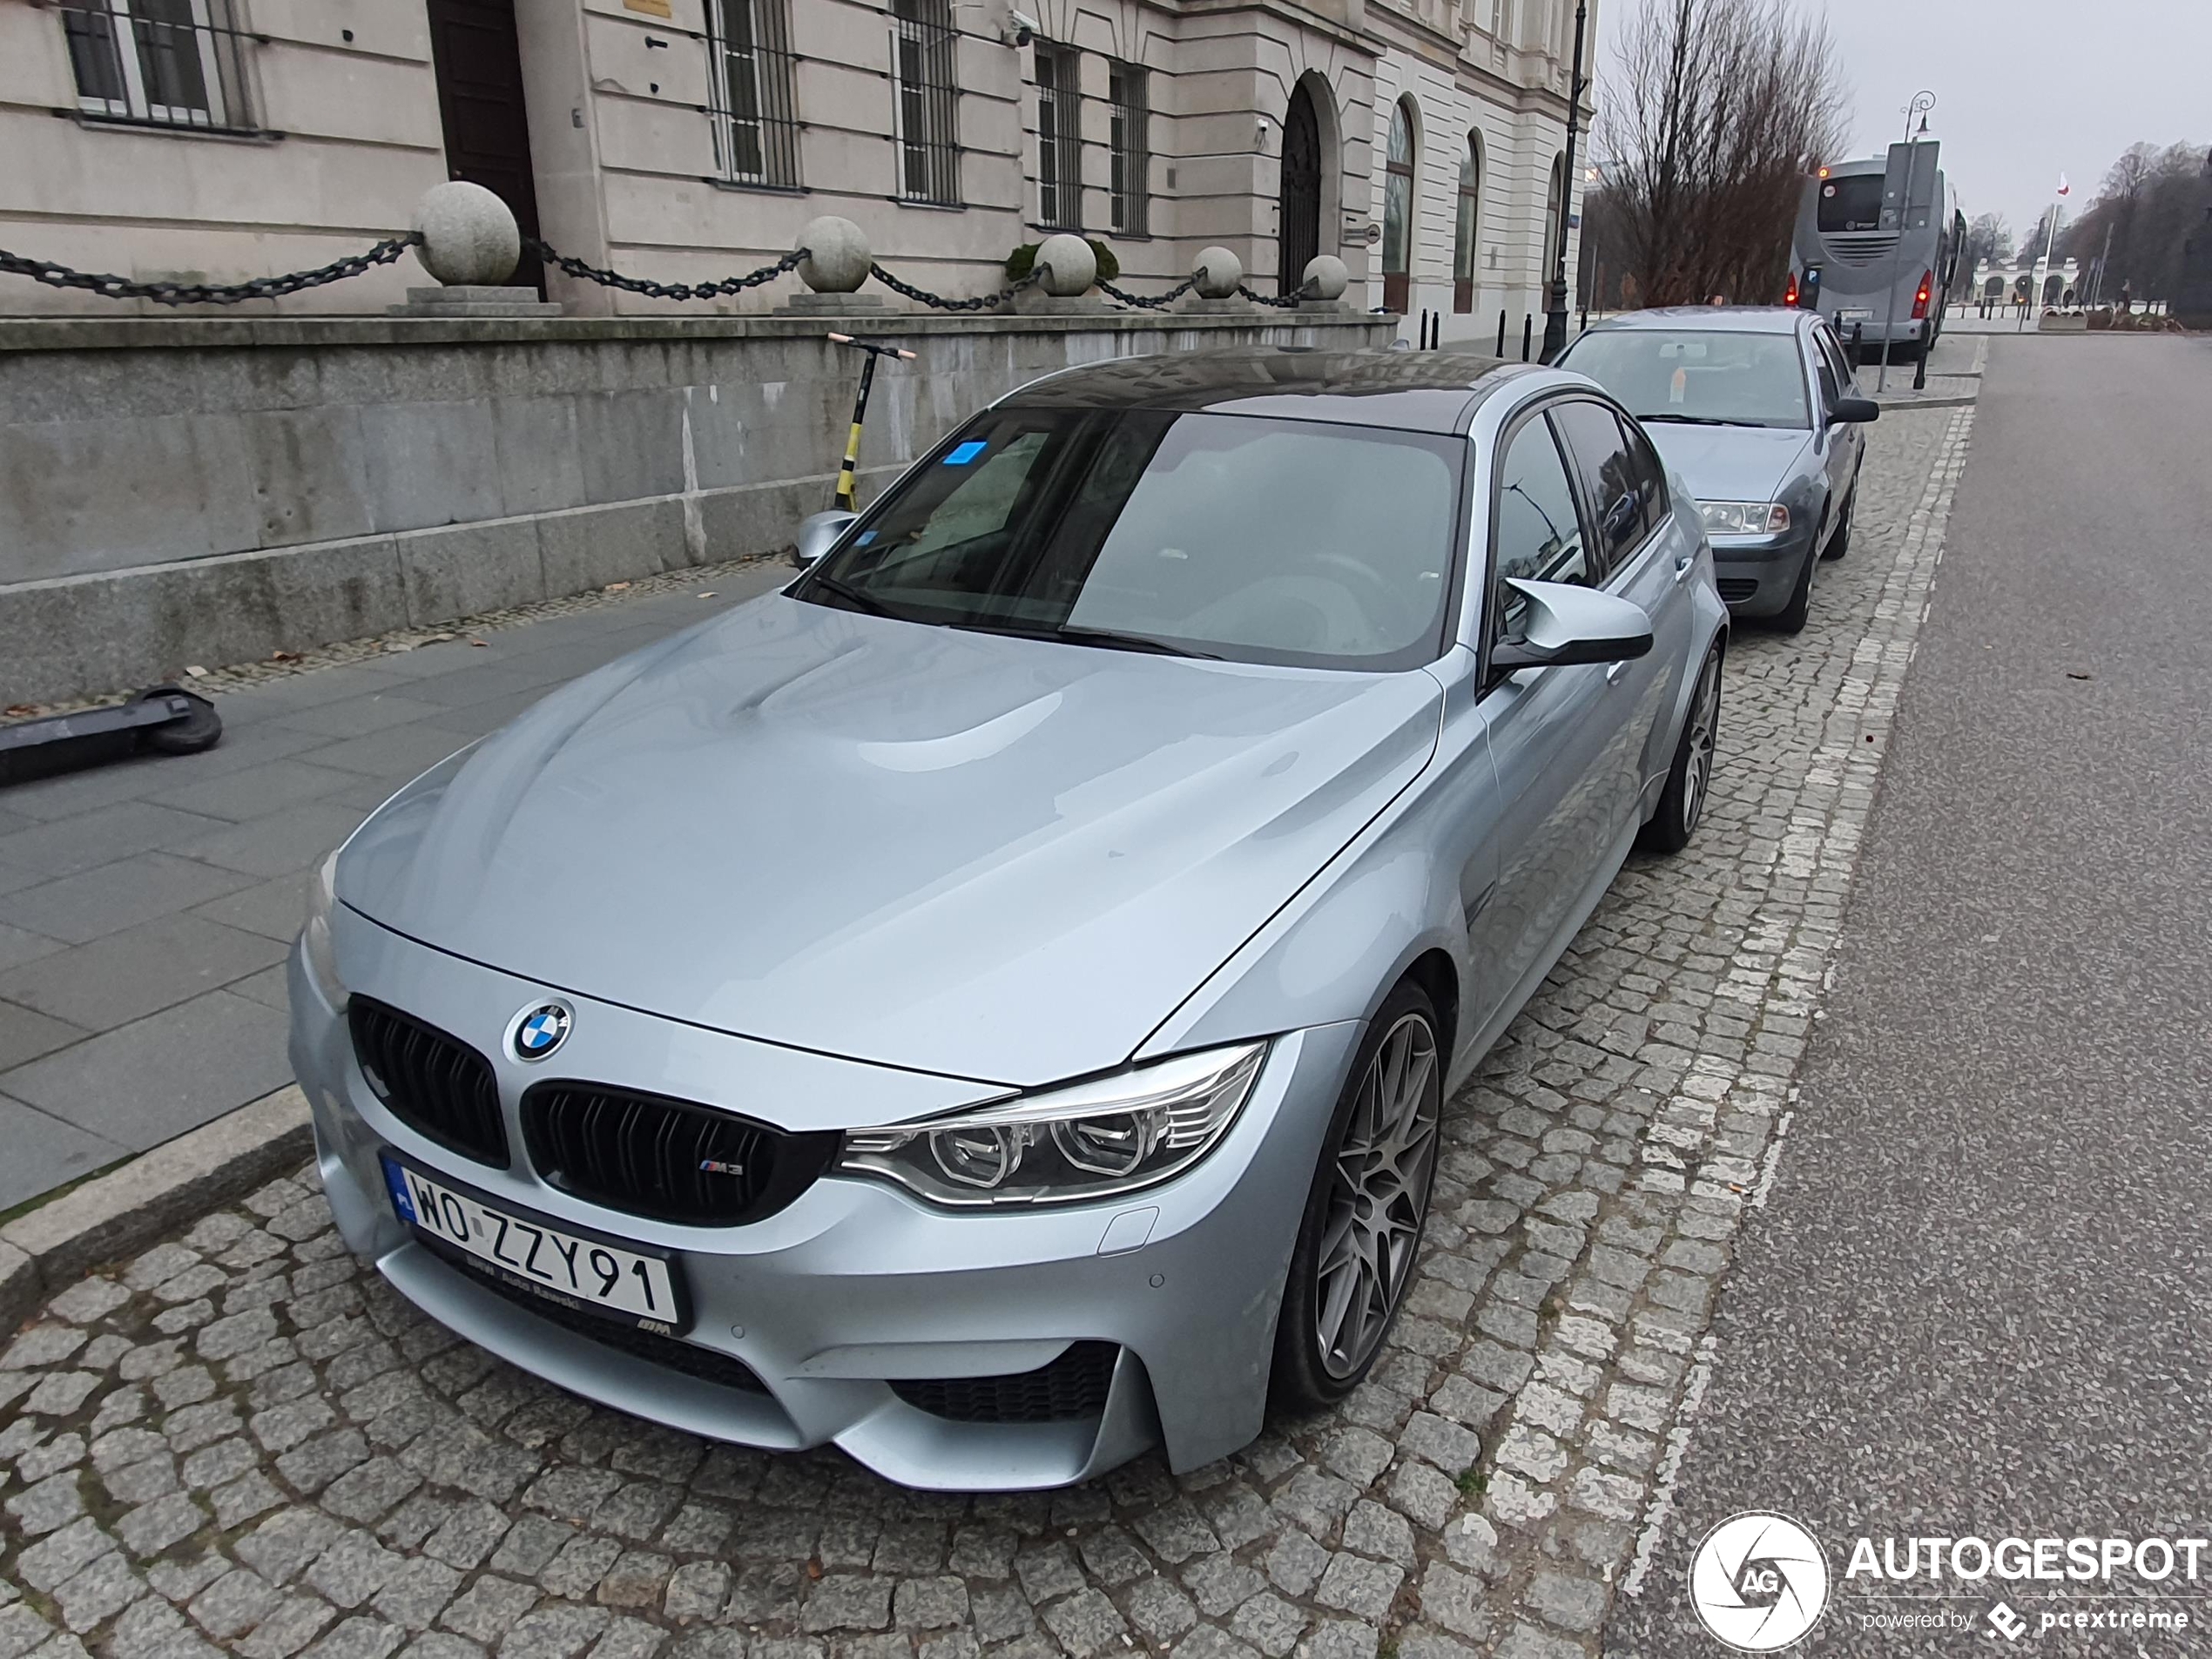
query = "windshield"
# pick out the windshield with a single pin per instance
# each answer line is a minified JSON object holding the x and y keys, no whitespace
{"x":1692,"y":375}
{"x":1852,"y":203}
{"x":1292,"y":542}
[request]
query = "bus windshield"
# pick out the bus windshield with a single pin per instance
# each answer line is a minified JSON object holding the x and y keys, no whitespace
{"x":1702,"y":377}
{"x":1853,"y":203}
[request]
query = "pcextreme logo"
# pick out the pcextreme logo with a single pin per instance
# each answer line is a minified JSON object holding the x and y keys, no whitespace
{"x":1758,"y":1582}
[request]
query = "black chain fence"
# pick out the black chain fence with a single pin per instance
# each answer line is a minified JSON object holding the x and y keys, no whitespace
{"x":1279,"y":300}
{"x":190,"y":293}
{"x":205,"y":293}
{"x":938,"y":302}
{"x":1157,"y":302}
{"x":578,"y":269}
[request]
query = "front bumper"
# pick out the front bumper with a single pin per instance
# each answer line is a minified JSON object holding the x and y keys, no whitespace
{"x":1757,"y":574}
{"x":856,"y":1284}
{"x":1876,"y":330}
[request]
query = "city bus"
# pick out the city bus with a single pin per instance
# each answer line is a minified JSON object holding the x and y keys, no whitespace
{"x":1876,"y":246}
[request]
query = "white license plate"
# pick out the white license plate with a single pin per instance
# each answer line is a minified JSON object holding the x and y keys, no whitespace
{"x":1854,"y":313}
{"x":634,"y":1286}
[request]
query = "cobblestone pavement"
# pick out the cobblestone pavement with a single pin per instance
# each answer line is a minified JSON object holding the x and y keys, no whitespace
{"x":242,"y":1441}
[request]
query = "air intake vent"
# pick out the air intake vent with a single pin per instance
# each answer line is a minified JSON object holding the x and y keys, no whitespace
{"x":1860,"y":248}
{"x":671,"y":1353}
{"x":1735,"y":589}
{"x":1071,"y":1388}
{"x":437,"y":1085}
{"x":666,"y":1159}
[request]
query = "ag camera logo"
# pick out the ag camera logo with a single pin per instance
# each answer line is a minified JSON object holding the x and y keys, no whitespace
{"x":1758,"y":1582}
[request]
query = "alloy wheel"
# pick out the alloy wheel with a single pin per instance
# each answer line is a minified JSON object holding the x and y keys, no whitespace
{"x":1704,"y":725}
{"x":1377,"y":1197}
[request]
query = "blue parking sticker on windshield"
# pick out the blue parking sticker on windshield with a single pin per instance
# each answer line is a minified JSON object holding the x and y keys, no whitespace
{"x":961,"y":454}
{"x":864,"y":538}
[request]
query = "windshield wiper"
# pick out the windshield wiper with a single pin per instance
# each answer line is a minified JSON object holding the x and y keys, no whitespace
{"x":1115,"y":640}
{"x":1694,"y":420}
{"x":852,"y":596}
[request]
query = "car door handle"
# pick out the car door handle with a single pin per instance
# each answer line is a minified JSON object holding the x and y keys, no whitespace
{"x":1684,"y":565}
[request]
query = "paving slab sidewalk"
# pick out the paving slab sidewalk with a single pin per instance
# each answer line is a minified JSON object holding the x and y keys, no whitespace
{"x":146,"y":906}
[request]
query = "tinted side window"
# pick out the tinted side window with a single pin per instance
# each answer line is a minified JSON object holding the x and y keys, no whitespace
{"x":1650,"y":475}
{"x":1609,"y":485}
{"x":1539,"y":533}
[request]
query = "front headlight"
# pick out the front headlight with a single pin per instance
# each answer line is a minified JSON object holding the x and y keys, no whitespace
{"x":1744,"y":517}
{"x":1091,"y":1141}
{"x":322,"y":957}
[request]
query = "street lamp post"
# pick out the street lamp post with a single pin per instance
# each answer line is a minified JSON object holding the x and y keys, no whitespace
{"x":1556,"y":308}
{"x":1922,"y":103}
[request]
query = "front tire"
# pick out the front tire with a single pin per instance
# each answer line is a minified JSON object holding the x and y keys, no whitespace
{"x":1353,"y":1260}
{"x":1682,"y":802}
{"x":201,"y":729}
{"x":1839,"y":539}
{"x":1792,"y":618}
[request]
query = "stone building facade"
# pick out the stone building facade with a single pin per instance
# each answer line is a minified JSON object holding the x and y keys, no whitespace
{"x":685,"y":140}
{"x":1469,"y":118}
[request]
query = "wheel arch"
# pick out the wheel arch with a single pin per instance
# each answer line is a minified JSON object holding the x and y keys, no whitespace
{"x":1434,"y":971}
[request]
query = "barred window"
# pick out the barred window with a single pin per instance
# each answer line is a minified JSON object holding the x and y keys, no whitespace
{"x":925,"y":74}
{"x":756,"y":129}
{"x":1132,"y":149}
{"x":1060,"y":138}
{"x":170,"y":62}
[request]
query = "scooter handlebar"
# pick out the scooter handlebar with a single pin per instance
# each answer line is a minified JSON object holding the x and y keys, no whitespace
{"x":880,"y":351}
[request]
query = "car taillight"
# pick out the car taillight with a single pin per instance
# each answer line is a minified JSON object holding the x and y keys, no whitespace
{"x":1789,"y":296}
{"x":1920,"y":296}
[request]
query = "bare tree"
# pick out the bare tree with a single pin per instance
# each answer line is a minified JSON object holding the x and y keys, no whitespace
{"x":1990,"y":237}
{"x":1989,"y":241}
{"x":1715,"y":111}
{"x":2150,"y":202}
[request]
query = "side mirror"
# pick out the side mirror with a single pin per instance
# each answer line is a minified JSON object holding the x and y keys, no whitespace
{"x":1854,"y":411}
{"x":819,"y":532}
{"x":1568,"y":623}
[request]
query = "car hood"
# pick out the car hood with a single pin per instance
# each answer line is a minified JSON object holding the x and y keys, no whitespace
{"x":1730,"y":462}
{"x":991,"y":858}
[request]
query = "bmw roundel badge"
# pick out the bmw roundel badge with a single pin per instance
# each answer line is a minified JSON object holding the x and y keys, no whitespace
{"x":540,"y":1030}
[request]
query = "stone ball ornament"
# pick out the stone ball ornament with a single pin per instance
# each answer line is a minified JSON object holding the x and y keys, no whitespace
{"x":837,"y":255}
{"x":1325,"y":278}
{"x":470,"y":237}
{"x":1218,"y":273}
{"x":1069,"y":267}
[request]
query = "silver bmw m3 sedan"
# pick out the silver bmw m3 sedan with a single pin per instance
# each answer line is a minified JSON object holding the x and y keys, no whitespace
{"x":990,"y":1004}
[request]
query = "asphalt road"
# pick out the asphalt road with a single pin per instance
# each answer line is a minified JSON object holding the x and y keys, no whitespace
{"x":1978,"y":1301}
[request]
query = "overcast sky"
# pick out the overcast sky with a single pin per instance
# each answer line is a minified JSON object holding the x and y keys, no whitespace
{"x":2024,"y":90}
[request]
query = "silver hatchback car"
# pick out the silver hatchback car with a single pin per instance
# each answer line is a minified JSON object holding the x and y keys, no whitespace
{"x":990,"y":1004}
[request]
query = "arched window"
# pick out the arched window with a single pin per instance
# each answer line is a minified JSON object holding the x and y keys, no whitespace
{"x":1467,"y":233}
{"x":1398,"y":209}
{"x":1551,"y":226}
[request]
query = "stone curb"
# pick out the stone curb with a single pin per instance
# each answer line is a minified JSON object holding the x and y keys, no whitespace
{"x":1959,"y":402}
{"x":56,"y":1244}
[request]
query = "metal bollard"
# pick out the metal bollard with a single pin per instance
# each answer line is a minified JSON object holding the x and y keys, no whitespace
{"x":1528,"y":333}
{"x":1501,"y":351}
